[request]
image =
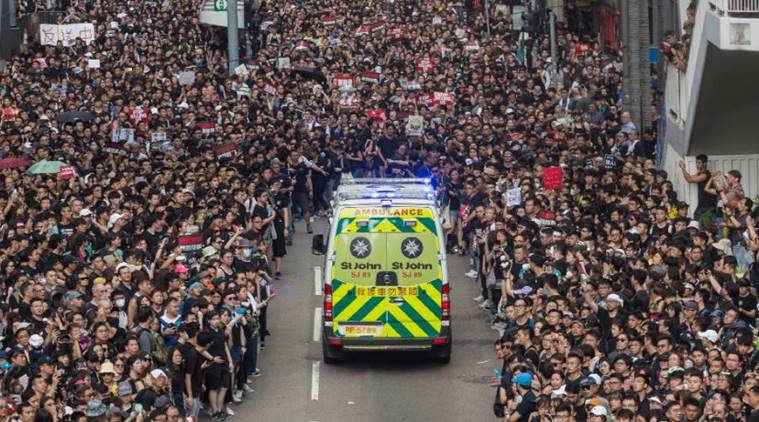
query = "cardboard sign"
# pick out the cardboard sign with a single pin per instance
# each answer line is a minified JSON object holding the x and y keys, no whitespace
{"x":362,"y":30}
{"x":552,"y":177}
{"x":52,"y":34}
{"x":344,"y":82}
{"x":191,"y":243}
{"x":241,"y":70}
{"x":424,"y":65}
{"x":122,"y":135}
{"x":348,"y":103}
{"x":93,"y":64}
{"x":225,"y":151}
{"x":157,"y":137}
{"x":513,"y":197}
{"x":283,"y":63}
{"x":472,"y":45}
{"x":412,"y":85}
{"x":328,"y":20}
{"x":67,"y":172}
{"x":186,"y":78}
{"x":415,"y":126}
{"x":206,"y":127}
{"x":610,"y":162}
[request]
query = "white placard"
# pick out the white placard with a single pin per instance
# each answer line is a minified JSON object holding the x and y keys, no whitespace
{"x":283,"y":63}
{"x":415,"y":125}
{"x":186,"y":78}
{"x":52,"y":34}
{"x":513,"y":197}
{"x":93,"y":64}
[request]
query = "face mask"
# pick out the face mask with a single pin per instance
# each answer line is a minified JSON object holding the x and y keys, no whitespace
{"x":120,"y":303}
{"x":247,"y":253}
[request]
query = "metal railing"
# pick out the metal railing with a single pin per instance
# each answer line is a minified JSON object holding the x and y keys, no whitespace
{"x":742,"y":6}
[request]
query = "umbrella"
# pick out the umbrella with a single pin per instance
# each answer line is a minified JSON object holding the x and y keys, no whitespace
{"x":13,"y":163}
{"x":73,"y":116}
{"x":311,"y":73}
{"x":46,"y":167}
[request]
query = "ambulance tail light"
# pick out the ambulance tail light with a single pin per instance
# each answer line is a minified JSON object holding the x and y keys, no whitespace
{"x":445,"y":304}
{"x":327,"y":302}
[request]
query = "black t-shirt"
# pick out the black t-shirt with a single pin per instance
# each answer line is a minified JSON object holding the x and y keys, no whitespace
{"x":192,"y":366}
{"x":299,"y":174}
{"x":216,"y":348}
{"x":528,"y":405}
{"x":387,"y":146}
{"x":746,"y":303}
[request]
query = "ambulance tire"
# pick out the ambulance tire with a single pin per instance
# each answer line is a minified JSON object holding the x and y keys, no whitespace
{"x":331,"y":354}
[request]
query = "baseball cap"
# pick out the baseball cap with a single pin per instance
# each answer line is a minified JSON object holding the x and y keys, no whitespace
{"x":615,"y":298}
{"x":180,"y":269}
{"x":598,"y":411}
{"x":710,"y":335}
{"x":523,"y":378}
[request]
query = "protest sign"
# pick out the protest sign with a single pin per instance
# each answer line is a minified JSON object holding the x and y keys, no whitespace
{"x":415,"y":125}
{"x":93,"y":64}
{"x":370,"y":77}
{"x":552,"y":177}
{"x":513,"y":197}
{"x":186,"y":78}
{"x":191,"y":242}
{"x":67,"y":172}
{"x":52,"y":34}
{"x":225,"y":151}
{"x":122,"y":134}
{"x":283,"y":63}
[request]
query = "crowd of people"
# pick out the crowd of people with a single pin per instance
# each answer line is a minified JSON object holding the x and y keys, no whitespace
{"x":135,"y":287}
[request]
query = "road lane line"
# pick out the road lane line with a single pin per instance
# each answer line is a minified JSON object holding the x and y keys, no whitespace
{"x":318,"y":280}
{"x":317,"y":324}
{"x":315,"y":380}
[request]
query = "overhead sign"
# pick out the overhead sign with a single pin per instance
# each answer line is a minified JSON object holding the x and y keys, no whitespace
{"x":214,"y":12}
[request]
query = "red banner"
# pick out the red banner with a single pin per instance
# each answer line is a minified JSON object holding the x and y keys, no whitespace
{"x":225,"y":151}
{"x":371,"y":77}
{"x":377,"y":114}
{"x":190,"y":243}
{"x":552,"y":177}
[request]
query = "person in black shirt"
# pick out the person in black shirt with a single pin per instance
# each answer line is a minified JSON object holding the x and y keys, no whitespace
{"x":520,"y":410}
{"x":218,"y":373}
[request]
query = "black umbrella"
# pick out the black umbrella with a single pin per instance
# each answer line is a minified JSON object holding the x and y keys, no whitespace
{"x":310,"y":73}
{"x":74,"y":116}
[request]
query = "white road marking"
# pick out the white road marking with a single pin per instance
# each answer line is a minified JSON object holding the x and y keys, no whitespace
{"x":315,"y":380}
{"x":318,"y":280}
{"x":317,"y":324}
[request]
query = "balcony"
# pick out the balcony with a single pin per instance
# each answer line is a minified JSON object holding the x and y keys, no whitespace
{"x":711,"y":107}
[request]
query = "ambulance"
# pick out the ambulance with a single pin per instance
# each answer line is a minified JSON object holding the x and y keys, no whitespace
{"x":385,"y":281}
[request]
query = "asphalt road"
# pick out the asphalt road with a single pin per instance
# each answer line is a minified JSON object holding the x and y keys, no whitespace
{"x":297,"y":386}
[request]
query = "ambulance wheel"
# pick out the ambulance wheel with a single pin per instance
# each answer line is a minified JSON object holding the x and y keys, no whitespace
{"x":331,"y":354}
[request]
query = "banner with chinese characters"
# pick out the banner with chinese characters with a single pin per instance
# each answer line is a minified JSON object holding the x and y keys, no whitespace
{"x":52,"y":34}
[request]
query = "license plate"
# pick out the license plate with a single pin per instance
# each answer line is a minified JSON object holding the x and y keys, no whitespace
{"x":362,"y":330}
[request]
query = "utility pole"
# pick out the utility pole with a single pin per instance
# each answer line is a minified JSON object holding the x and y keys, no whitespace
{"x":233,"y":38}
{"x":487,"y":17}
{"x":554,"y":48}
